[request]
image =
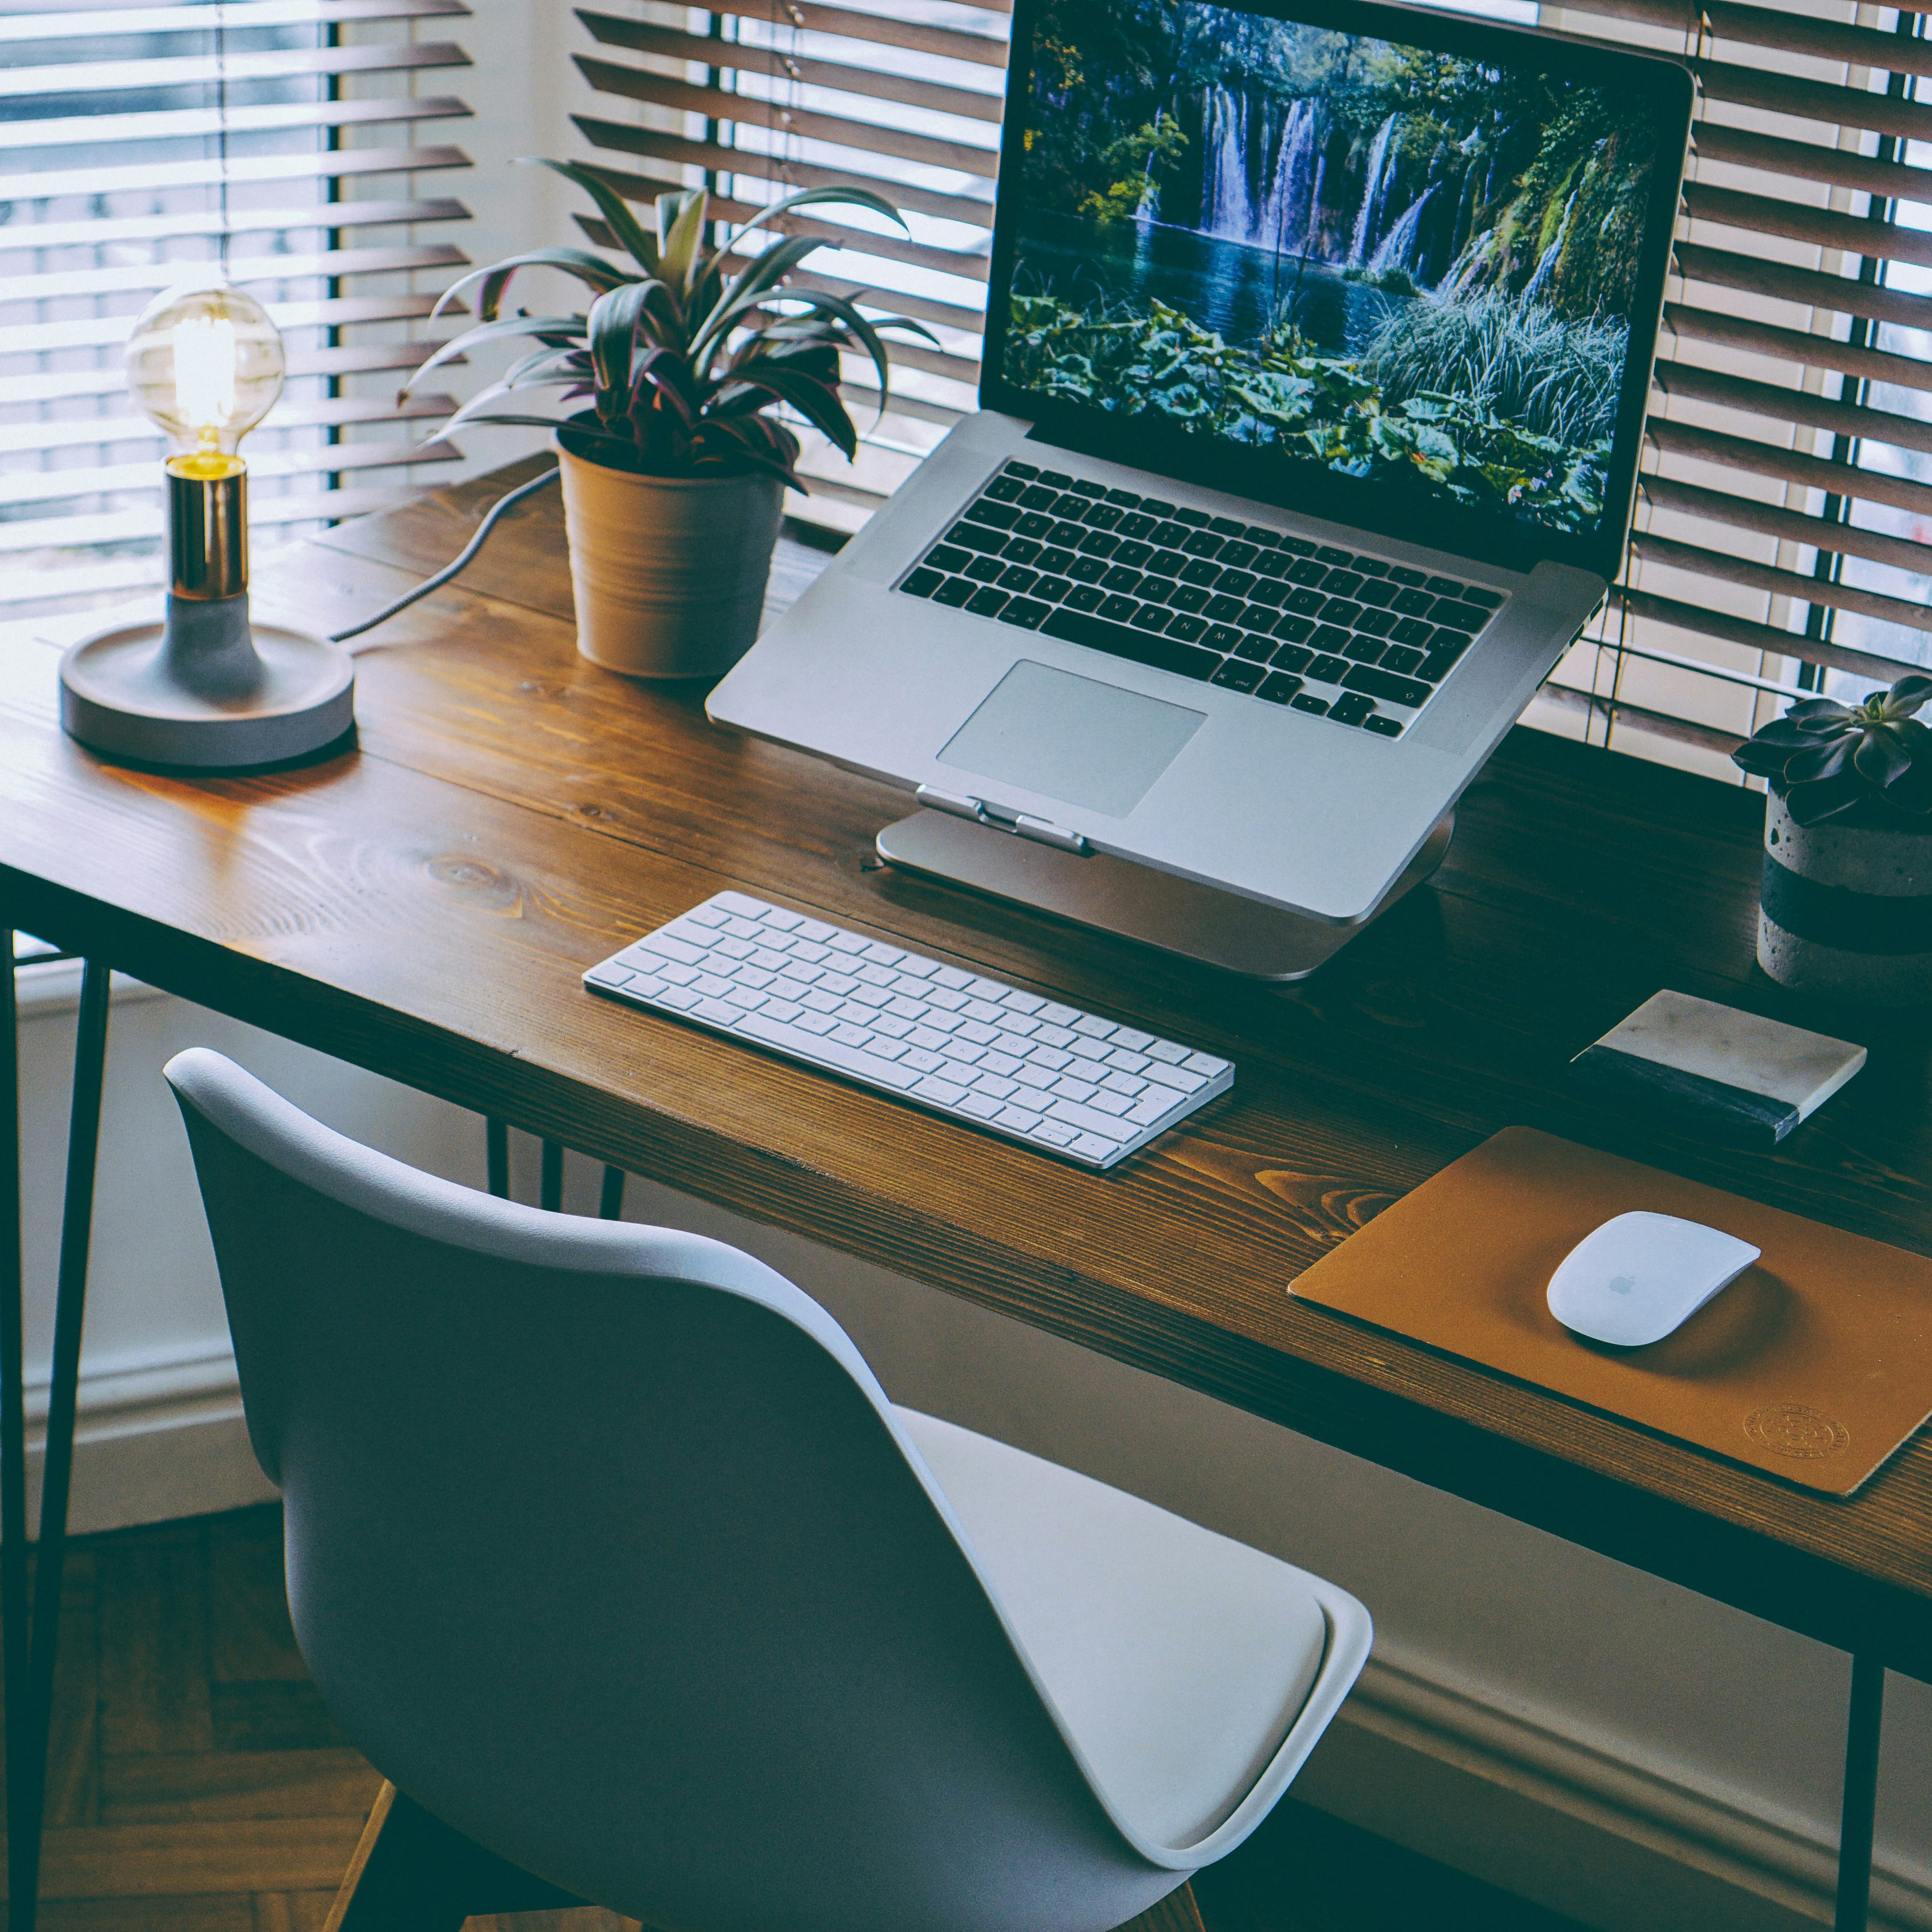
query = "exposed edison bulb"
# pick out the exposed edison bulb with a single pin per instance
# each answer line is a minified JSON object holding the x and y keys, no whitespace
{"x":205,"y":365}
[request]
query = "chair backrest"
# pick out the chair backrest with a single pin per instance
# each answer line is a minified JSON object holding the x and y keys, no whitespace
{"x":605,"y":1545}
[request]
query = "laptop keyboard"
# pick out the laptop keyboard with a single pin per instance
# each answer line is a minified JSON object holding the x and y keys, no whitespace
{"x":1338,"y":634}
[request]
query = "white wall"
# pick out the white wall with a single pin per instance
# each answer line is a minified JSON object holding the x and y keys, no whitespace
{"x":1628,"y":1752}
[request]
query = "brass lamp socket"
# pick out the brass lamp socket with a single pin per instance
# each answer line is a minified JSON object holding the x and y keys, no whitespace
{"x":208,"y":526}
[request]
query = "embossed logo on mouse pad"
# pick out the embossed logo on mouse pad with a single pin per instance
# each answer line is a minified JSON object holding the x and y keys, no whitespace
{"x":1791,"y":1429}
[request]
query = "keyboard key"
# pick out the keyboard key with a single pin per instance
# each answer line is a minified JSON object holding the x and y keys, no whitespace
{"x":1342,"y":611}
{"x":973,"y":536}
{"x":1404,"y":658}
{"x":1186,"y":628}
{"x":1402,"y":575}
{"x":1088,"y":488}
{"x":1000,"y":516}
{"x":1084,"y":597}
{"x":1052,"y":589}
{"x":1015,"y":578}
{"x":1490,"y":600}
{"x":986,"y":569}
{"x":1089,"y":1121}
{"x":1308,"y":702}
{"x":1328,"y":553}
{"x":1004,"y":489}
{"x":1380,"y":683}
{"x":1021,"y":469}
{"x":1410,"y":630}
{"x":1352,"y":709}
{"x":1371,"y":566}
{"x":986,"y":602}
{"x":1219,"y":608}
{"x":1443,"y":586}
{"x":1455,"y":642}
{"x":1199,"y":519}
{"x":1026,"y":612}
{"x":1343,"y":584}
{"x":1239,"y":674}
{"x":1379,"y":591}
{"x":1278,"y":687}
{"x":1331,"y":669}
{"x":1088,"y":569}
{"x":1248,"y":645}
{"x":1117,"y":609}
{"x":1151,"y":617}
{"x":1384,"y":727}
{"x":1293,"y":629}
{"x":923,"y":583}
{"x":1058,"y":478}
{"x":1307,"y":603}
{"x":1415,"y":603}
{"x":1138,"y":646}
{"x":1379,"y":623}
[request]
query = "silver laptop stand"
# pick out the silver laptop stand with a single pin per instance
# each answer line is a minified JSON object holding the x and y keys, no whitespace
{"x":1217,"y":928}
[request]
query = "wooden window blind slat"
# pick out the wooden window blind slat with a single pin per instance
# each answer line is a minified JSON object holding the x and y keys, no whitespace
{"x":203,"y":69}
{"x":1810,"y":161}
{"x":1771,"y":29}
{"x":1765,"y":214}
{"x":1666,"y":493}
{"x":150,"y":277}
{"x":764,"y":59}
{"x":242,"y":16}
{"x":678,"y":152}
{"x":211,"y":224}
{"x":1767,"y":459}
{"x":1792,"y":345}
{"x":202,"y":123}
{"x":242,"y":171}
{"x":805,"y":123}
{"x":1796,"y":406}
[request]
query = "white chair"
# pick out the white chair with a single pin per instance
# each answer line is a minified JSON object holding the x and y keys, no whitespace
{"x":606,"y":1549}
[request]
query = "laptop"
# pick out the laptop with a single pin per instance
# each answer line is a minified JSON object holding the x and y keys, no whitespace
{"x":1319,"y":338}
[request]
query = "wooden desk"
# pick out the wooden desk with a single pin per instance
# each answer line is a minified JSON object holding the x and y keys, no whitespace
{"x":424,"y":905}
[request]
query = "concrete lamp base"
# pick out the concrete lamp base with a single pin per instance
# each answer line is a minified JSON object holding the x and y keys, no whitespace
{"x":204,"y":691}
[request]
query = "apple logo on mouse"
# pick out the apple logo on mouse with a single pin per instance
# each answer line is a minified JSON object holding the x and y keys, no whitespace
{"x":1641,"y":1277}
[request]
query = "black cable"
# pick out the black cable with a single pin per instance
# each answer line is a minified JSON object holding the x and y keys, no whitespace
{"x":464,"y":559}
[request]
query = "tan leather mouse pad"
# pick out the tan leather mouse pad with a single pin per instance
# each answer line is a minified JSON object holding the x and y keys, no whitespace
{"x":1815,"y":1364}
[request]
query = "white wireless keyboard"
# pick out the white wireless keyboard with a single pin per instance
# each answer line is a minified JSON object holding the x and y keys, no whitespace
{"x":981,"y":1052}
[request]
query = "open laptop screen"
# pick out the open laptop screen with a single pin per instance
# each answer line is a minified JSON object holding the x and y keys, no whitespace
{"x":1324,"y":251}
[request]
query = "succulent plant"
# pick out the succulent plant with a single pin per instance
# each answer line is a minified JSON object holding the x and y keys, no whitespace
{"x":681,"y":360}
{"x":1823,"y":758}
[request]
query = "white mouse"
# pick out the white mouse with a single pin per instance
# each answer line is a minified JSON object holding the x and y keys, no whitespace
{"x":1641,"y":1275}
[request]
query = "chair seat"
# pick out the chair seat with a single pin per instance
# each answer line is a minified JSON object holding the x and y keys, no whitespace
{"x":1177,"y":1659}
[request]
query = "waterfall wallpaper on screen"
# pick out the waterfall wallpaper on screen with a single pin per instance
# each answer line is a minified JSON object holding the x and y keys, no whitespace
{"x":1395,"y":262}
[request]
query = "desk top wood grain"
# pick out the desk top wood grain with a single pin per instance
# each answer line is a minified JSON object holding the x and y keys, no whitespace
{"x":423,"y":905}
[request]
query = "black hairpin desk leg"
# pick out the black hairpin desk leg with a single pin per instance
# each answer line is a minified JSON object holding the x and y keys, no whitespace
{"x":28,"y":1773}
{"x":496,"y":1152}
{"x":12,"y":1433}
{"x":611,"y":1199}
{"x":1860,"y":1794}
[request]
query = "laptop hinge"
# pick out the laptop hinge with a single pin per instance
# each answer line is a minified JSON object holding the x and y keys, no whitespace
{"x":1003,"y":818}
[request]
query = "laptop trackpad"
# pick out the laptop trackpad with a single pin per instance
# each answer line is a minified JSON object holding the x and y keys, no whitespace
{"x":1074,"y":738}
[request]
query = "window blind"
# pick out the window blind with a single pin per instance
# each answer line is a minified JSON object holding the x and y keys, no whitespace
{"x":1783,"y":539}
{"x":138,"y":145}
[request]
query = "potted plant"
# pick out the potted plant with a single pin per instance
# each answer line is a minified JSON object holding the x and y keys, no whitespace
{"x":674,"y":479}
{"x":1846,"y":906}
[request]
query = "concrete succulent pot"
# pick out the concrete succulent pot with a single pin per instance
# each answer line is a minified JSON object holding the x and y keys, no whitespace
{"x":669,"y":572}
{"x":1845,"y":910}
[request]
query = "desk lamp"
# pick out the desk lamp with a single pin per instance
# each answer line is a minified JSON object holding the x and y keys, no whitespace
{"x":203,"y":687}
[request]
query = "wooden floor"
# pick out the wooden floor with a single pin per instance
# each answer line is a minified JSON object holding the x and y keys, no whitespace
{"x":198,"y":1785}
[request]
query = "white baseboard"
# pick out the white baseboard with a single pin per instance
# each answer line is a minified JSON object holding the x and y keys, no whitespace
{"x":151,"y":1443}
{"x":1601,"y":1839}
